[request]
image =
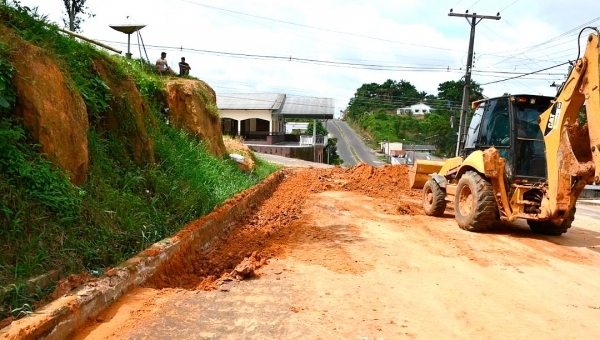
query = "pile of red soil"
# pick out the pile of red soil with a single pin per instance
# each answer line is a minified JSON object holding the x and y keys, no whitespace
{"x":254,"y":239}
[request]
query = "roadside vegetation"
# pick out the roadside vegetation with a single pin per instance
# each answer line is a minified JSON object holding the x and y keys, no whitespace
{"x":47,"y":223}
{"x":372,"y":112}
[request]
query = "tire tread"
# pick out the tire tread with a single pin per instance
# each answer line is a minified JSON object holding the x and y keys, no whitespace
{"x":486,"y":211}
{"x":439,"y":200}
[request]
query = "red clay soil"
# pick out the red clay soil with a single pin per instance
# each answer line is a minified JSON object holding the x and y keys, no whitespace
{"x":271,"y":228}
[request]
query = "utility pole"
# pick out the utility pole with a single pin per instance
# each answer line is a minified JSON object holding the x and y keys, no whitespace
{"x":462,"y":126}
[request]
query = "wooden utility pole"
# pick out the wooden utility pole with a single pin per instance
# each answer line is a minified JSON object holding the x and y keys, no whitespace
{"x":462,"y":126}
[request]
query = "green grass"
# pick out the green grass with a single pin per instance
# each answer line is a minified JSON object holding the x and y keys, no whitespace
{"x":125,"y":205}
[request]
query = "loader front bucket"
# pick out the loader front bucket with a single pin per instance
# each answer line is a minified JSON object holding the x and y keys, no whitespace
{"x":420,"y":171}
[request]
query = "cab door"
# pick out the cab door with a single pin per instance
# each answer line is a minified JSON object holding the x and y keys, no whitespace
{"x":496,"y":129}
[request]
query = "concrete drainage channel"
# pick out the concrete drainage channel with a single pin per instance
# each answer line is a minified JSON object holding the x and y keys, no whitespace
{"x":59,"y":319}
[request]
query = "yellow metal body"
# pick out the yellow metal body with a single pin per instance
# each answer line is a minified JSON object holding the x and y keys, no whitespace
{"x":573,"y":157}
{"x":473,"y":161}
{"x":450,"y":165}
{"x":421,"y":172}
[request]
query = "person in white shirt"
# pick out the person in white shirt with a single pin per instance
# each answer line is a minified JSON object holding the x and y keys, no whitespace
{"x":162,"y":66}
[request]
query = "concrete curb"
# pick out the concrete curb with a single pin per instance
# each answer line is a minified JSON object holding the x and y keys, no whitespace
{"x":60,"y":318}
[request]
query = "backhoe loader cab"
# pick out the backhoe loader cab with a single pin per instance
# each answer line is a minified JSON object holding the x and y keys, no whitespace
{"x":510,"y":124}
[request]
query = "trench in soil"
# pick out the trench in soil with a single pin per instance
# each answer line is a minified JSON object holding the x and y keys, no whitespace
{"x":276,"y":224}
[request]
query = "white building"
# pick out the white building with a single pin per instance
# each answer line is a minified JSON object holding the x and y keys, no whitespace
{"x":290,"y":127}
{"x":417,"y":109}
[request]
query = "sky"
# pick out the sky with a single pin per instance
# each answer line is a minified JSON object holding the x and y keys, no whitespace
{"x":329,"y":48}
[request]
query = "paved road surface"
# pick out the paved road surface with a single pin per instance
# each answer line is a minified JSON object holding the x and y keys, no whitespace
{"x":343,"y":149}
{"x":348,"y":141}
{"x":590,"y":209}
{"x":345,"y":277}
{"x":291,"y":162}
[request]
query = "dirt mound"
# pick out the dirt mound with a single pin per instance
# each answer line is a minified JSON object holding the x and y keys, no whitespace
{"x":259,"y":236}
{"x":189,"y":101}
{"x":55,"y":116}
{"x":128,"y":115}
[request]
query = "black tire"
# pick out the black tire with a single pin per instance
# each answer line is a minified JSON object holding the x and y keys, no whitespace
{"x":549,"y":228}
{"x":434,"y":199}
{"x":474,"y":204}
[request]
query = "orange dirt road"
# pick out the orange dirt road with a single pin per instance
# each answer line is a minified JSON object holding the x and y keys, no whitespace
{"x":348,"y":254}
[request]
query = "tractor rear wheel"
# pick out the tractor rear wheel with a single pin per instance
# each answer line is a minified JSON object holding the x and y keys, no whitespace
{"x":550,"y":228}
{"x":434,"y":199}
{"x":474,"y":204}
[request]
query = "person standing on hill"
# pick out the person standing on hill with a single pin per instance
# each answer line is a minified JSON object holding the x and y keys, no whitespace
{"x":162,"y":65}
{"x":184,"y":68}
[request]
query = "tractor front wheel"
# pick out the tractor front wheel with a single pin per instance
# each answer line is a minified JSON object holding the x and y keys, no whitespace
{"x":474,"y":204}
{"x":434,"y":199}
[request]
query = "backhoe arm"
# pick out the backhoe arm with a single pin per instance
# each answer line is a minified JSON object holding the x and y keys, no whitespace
{"x":573,"y":152}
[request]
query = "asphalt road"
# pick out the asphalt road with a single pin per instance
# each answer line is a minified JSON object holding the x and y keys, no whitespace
{"x":588,"y":210}
{"x":351,"y":148}
{"x":291,"y":162}
{"x":343,"y":149}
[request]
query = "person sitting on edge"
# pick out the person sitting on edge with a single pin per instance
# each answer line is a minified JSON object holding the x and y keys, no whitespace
{"x":162,"y":65}
{"x":184,"y":68}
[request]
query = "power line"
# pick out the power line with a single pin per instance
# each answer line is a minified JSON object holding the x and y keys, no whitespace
{"x":514,"y":2}
{"x":376,"y":67}
{"x":521,"y":62}
{"x":459,"y":1}
{"x":319,"y":28}
{"x":526,"y":74}
{"x":304,"y":60}
{"x":337,"y":42}
{"x":473,"y":4}
{"x":562,"y":35}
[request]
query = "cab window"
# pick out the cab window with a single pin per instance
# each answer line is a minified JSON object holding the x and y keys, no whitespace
{"x":495,"y":129}
{"x":474,"y":127}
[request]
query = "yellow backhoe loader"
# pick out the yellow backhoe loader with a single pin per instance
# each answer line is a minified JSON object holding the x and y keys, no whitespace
{"x":524,"y":156}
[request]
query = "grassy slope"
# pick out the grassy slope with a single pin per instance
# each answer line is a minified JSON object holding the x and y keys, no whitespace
{"x":46,"y":223}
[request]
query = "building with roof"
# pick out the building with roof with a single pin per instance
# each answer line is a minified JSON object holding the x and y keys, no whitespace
{"x":417,"y":109}
{"x":259,"y":116}
{"x":260,"y":119}
{"x":248,"y":114}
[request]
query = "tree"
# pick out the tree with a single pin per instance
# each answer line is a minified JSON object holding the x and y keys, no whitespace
{"x":389,"y":96}
{"x":453,"y":90}
{"x":75,"y":8}
{"x":321,"y":131}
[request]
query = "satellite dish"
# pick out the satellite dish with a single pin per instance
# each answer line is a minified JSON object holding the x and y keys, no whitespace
{"x":127,"y":29}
